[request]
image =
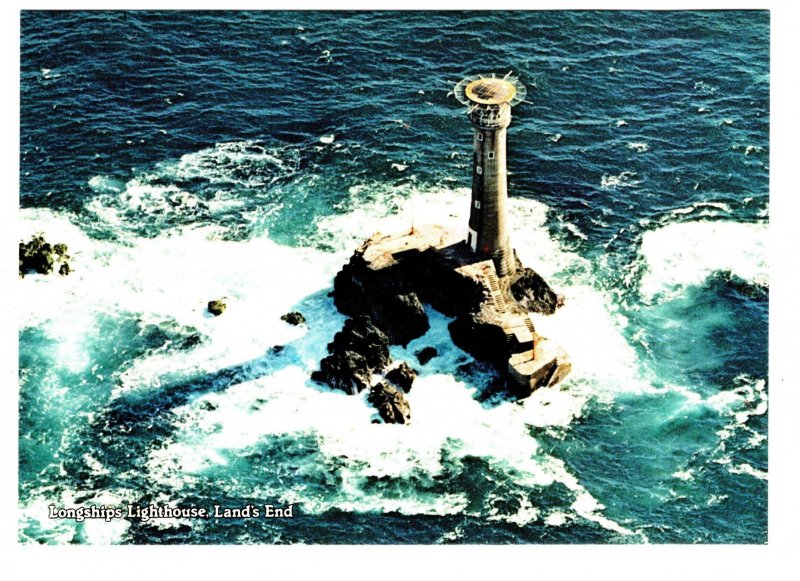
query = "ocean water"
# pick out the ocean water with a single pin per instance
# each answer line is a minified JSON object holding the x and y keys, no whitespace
{"x":187,"y":156}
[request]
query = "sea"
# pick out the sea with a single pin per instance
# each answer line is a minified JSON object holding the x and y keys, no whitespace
{"x":190,"y":156}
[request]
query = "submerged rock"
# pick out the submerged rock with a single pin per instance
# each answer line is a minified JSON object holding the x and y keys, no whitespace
{"x":38,"y":255}
{"x":216,"y":307}
{"x":391,"y":404}
{"x":426,"y":354}
{"x":191,"y":341}
{"x":294,"y":318}
{"x":356,"y":352}
{"x":402,"y":376}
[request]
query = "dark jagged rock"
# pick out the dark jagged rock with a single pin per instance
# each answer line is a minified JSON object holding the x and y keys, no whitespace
{"x":208,"y":406}
{"x":533,"y":293}
{"x":294,"y":318}
{"x":391,"y":404}
{"x":38,"y":255}
{"x":426,"y":354}
{"x":386,"y":297}
{"x":482,"y":339}
{"x":346,"y":370}
{"x":60,"y":249}
{"x":216,"y":307}
{"x":402,"y":317}
{"x":402,"y":376}
{"x":356,"y":352}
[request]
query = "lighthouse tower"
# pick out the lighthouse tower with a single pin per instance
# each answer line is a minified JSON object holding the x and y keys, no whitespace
{"x":490,"y":99}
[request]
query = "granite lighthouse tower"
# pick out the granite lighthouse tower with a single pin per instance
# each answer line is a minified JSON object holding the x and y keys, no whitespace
{"x":490,"y":100}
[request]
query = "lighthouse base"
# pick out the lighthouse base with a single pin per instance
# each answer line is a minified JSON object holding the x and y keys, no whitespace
{"x":389,"y":277}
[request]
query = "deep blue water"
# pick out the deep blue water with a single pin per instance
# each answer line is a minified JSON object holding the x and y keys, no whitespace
{"x":190,"y":155}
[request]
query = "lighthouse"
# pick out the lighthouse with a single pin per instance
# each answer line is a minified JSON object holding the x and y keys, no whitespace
{"x":490,"y":99}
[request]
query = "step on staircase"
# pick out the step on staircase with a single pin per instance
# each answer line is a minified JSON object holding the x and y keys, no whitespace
{"x":491,"y":282}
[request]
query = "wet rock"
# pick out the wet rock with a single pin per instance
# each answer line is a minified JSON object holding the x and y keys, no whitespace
{"x":482,"y":339}
{"x":402,"y":376}
{"x":426,"y":354}
{"x":391,"y":404}
{"x":533,"y":293}
{"x":386,"y":297}
{"x":356,"y":352}
{"x":402,"y":317}
{"x":294,"y":318}
{"x":38,"y":255}
{"x":216,"y":307}
{"x":208,"y":406}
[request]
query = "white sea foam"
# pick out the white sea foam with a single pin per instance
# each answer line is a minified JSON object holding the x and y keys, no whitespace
{"x":106,"y":185}
{"x":156,"y":193}
{"x":701,"y":206}
{"x":638,"y":147}
{"x":740,"y":402}
{"x":624,"y":179}
{"x":216,"y":163}
{"x":682,"y":254}
{"x":745,"y":468}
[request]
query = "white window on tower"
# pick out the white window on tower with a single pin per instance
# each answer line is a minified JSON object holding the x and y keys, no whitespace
{"x":490,"y":155}
{"x":480,"y":136}
{"x":479,"y":170}
{"x":477,"y":205}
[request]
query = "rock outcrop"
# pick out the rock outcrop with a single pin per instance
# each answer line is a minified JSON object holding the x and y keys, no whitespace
{"x":39,"y":256}
{"x":388,"y":299}
{"x":294,"y":318}
{"x":425,"y":354}
{"x":391,"y":404}
{"x":389,"y":277}
{"x":402,"y":376}
{"x":532,"y":292}
{"x":359,"y":350}
{"x":217,"y":307}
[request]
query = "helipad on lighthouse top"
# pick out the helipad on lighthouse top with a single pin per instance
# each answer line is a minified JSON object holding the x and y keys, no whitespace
{"x":490,"y":91}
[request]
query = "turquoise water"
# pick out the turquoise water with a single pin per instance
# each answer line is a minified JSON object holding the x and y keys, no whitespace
{"x":190,"y":156}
